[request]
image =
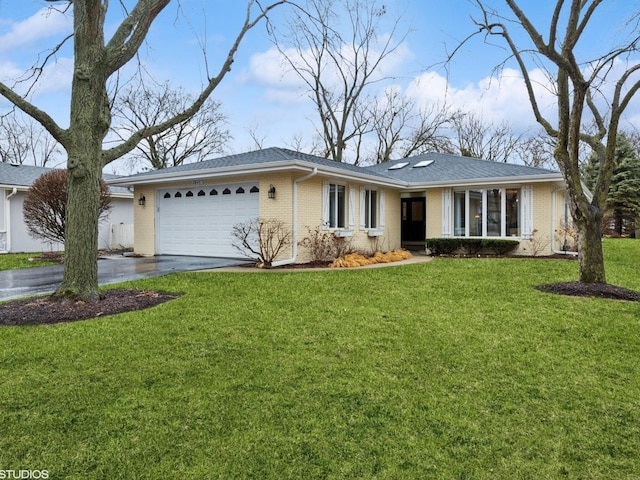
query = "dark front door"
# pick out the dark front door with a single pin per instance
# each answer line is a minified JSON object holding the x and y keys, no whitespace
{"x":413,"y":222}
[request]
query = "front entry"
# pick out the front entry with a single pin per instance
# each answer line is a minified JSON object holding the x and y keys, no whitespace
{"x":413,"y":223}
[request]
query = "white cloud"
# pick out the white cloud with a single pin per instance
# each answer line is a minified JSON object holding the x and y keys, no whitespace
{"x":272,"y":70}
{"x":45,"y":23}
{"x":494,"y":99}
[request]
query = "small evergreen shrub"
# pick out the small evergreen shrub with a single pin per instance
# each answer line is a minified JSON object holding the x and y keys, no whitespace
{"x":500,"y":246}
{"x":471,"y":246}
{"x":443,"y":246}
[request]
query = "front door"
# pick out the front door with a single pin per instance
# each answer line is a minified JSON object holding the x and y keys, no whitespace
{"x":413,"y":222}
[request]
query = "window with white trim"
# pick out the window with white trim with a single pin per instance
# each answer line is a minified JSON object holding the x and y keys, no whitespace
{"x":370,"y":208}
{"x":493,"y":212}
{"x":335,"y":205}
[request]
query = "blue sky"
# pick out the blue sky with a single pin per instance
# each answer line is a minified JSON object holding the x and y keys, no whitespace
{"x":259,"y":95}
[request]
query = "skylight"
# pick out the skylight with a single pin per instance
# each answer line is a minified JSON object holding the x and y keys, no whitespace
{"x":423,"y":163}
{"x":398,"y":166}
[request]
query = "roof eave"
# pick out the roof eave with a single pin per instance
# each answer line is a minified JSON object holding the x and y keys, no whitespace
{"x":541,"y":178}
{"x":12,"y":186}
{"x":255,"y":169}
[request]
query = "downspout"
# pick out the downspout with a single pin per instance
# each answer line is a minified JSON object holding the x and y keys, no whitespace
{"x":294,"y":255}
{"x":553,"y":225}
{"x":7,"y":219}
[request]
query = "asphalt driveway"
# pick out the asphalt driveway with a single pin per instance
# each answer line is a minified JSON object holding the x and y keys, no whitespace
{"x":33,"y":281}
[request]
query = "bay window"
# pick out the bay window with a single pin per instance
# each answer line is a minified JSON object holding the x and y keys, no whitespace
{"x":493,"y":212}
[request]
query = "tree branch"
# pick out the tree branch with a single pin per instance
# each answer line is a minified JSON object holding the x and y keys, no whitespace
{"x":117,"y":152}
{"x":41,"y":116}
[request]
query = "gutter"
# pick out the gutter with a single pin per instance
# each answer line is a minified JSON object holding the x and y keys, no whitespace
{"x":484,"y":182}
{"x":294,"y":255}
{"x":7,"y":219}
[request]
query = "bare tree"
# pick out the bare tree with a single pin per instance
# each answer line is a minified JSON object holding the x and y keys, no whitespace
{"x":337,"y":49}
{"x":477,"y":138}
{"x":193,"y":140}
{"x":536,"y":151}
{"x":402,"y":129}
{"x":24,"y":141}
{"x":96,"y":61}
{"x":581,"y":87}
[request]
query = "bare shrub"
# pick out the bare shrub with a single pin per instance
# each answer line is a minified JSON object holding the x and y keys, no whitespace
{"x":567,"y":236}
{"x":324,"y":246}
{"x":537,"y":244}
{"x":45,"y":205}
{"x":262,"y":239}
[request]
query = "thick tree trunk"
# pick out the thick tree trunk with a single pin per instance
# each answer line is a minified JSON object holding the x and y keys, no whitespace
{"x":89,"y":123}
{"x":81,"y":236}
{"x":590,"y":253}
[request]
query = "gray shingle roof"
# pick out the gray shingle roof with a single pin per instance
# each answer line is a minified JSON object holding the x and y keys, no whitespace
{"x":450,"y":168}
{"x":444,"y":168}
{"x":25,"y":175}
{"x":257,"y":157}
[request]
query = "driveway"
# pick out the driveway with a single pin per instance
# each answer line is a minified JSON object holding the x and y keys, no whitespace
{"x":32,"y":281}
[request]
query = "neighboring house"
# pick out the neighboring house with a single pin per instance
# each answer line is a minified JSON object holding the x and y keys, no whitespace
{"x":114,"y":232}
{"x":191,"y":209}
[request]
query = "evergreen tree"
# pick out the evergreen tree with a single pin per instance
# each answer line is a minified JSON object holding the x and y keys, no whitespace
{"x":623,"y":200}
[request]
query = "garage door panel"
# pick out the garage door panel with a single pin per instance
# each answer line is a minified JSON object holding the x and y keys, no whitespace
{"x":202,"y":224}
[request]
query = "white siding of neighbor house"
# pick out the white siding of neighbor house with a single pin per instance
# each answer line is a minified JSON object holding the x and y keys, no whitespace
{"x":3,"y":225}
{"x":19,"y":240}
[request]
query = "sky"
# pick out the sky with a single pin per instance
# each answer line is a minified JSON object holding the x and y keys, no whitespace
{"x":260,"y":95}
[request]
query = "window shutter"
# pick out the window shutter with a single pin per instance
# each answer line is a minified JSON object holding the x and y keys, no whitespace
{"x":446,"y":213}
{"x":381,"y":210}
{"x":352,"y":207}
{"x":527,"y":211}
{"x":363,"y":220}
{"x":325,"y":204}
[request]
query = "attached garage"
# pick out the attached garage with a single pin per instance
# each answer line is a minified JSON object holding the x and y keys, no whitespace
{"x":199,"y":220}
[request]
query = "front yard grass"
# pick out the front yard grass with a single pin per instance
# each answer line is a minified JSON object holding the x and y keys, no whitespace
{"x":14,"y":261}
{"x":457,"y":368}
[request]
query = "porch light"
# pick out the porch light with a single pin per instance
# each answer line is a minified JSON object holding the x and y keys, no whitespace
{"x":272,"y":192}
{"x":142,"y":200}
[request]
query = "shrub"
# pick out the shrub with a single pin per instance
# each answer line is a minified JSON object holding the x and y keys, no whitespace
{"x":324,"y":246}
{"x":262,"y":239}
{"x":443,"y":246}
{"x":45,"y":205}
{"x":499,"y":246}
{"x":471,"y":246}
{"x":537,"y":243}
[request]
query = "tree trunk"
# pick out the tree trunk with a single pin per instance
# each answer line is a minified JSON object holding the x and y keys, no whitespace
{"x":89,"y":124}
{"x":80,"y":280}
{"x":590,"y":253}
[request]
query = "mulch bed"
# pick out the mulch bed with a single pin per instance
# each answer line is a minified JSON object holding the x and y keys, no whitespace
{"x":593,"y":290}
{"x":48,"y":310}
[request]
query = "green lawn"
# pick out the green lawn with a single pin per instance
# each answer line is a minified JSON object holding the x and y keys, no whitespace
{"x":453,"y":369}
{"x":13,"y":261}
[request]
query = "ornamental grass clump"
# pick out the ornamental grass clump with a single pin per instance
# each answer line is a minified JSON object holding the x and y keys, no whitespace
{"x":359,"y":260}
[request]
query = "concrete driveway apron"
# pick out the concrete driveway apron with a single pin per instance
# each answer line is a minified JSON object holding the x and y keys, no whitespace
{"x":33,"y":281}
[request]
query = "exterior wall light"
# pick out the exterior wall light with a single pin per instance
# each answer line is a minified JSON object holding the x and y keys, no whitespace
{"x":142,"y":200}
{"x":272,"y":192}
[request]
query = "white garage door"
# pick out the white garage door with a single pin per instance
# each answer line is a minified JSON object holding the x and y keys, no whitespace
{"x":199,"y":220}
